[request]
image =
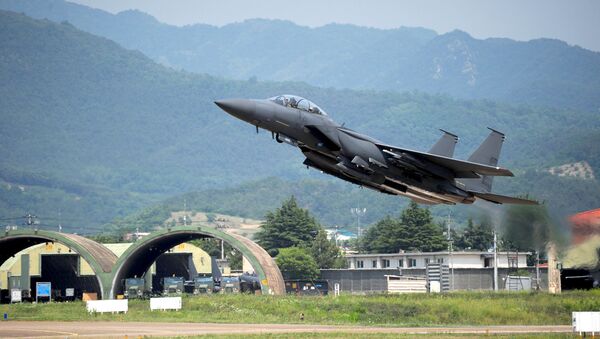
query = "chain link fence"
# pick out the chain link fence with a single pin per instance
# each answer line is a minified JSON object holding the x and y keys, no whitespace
{"x":374,"y":280}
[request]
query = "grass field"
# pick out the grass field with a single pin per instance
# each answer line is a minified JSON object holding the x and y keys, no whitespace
{"x":464,"y":308}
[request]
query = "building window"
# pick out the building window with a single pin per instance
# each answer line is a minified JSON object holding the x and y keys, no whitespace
{"x":412,"y":262}
{"x":440,"y":260}
{"x":512,"y":262}
{"x":426,"y":261}
{"x":385,"y":263}
{"x":401,"y":263}
{"x":374,"y":264}
{"x":487,"y":262}
{"x":360,"y":264}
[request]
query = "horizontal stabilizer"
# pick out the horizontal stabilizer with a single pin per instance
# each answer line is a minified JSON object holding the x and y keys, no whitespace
{"x":502,"y":199}
{"x":461,"y":168}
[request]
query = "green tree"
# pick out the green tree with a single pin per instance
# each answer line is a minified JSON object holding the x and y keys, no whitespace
{"x":212,"y":246}
{"x":386,"y":236}
{"x":297,"y":263}
{"x":413,"y":231}
{"x":288,"y":226}
{"x":209,"y":245}
{"x":234,"y":257}
{"x":325,"y":252}
{"x":476,"y":236}
{"x":424,"y":235}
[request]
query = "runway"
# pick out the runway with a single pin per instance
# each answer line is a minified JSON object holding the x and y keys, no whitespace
{"x":102,"y":329}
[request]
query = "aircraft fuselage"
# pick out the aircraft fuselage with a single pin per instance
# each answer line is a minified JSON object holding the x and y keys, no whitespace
{"x":428,"y":178}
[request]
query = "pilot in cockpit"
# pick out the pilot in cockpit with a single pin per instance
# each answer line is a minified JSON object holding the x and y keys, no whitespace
{"x":293,"y":102}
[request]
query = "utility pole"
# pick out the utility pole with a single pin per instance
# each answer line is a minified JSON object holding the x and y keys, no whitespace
{"x":336,"y":235}
{"x":537,"y":270}
{"x":450,"y":250}
{"x":222,"y":250}
{"x":184,"y":212}
{"x":358,"y":212}
{"x":495,"y":260}
{"x":59,"y":221}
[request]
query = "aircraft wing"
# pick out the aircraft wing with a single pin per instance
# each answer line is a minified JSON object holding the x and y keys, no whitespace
{"x":461,"y":168}
{"x":502,"y":199}
{"x":325,"y":135}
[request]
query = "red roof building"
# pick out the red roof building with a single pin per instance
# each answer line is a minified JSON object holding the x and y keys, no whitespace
{"x":585,"y":225}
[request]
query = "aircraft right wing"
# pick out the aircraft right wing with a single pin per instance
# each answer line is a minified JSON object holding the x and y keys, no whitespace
{"x":460,"y":168}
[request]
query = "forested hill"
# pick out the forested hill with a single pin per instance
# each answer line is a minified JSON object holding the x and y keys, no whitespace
{"x":331,"y":201}
{"x":542,"y":72}
{"x":93,"y":129}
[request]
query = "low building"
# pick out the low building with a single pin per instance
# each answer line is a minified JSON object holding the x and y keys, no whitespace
{"x":134,"y":236}
{"x":584,"y":226}
{"x":461,"y":259}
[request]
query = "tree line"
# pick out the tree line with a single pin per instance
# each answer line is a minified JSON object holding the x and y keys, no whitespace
{"x":300,"y":244}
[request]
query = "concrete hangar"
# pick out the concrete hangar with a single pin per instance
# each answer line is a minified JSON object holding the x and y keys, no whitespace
{"x":110,"y":270}
{"x":59,"y":265}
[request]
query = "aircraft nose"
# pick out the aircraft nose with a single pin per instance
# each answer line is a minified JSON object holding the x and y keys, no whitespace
{"x":240,"y":108}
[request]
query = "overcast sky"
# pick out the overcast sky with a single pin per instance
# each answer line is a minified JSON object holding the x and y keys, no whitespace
{"x":576,"y":22}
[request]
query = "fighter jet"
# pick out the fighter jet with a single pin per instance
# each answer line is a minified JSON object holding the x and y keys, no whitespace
{"x":433,"y":177}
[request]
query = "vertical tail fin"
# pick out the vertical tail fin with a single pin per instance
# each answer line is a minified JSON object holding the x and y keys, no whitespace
{"x":487,"y":153}
{"x":445,"y":146}
{"x":216,"y":272}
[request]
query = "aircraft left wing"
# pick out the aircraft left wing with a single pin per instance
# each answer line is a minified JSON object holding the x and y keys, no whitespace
{"x":503,"y":199}
{"x":460,"y":168}
{"x":325,"y":136}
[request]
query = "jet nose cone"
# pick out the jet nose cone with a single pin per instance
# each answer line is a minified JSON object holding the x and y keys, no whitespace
{"x":240,"y":108}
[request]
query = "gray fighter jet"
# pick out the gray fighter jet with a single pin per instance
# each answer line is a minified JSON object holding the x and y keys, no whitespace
{"x":432,"y":177}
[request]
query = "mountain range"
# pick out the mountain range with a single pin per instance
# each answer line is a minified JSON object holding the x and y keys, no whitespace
{"x":544,"y":72}
{"x":91,"y":131}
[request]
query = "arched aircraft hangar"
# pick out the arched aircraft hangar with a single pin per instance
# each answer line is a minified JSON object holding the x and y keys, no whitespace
{"x":100,"y":258}
{"x":136,"y":260}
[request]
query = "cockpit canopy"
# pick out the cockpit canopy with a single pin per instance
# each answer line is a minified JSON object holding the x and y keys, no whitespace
{"x":298,"y":102}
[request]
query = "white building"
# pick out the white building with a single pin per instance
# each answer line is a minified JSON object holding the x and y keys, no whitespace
{"x":462,"y":259}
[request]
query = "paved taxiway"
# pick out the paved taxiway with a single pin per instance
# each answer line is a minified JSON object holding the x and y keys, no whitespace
{"x":47,"y":329}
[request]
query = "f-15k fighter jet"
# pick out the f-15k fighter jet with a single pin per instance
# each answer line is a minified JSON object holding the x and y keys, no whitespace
{"x":433,"y":177}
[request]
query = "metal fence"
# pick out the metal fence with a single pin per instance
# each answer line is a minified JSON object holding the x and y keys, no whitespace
{"x":374,"y":280}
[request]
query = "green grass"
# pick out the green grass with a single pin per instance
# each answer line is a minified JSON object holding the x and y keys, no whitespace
{"x":464,"y":308}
